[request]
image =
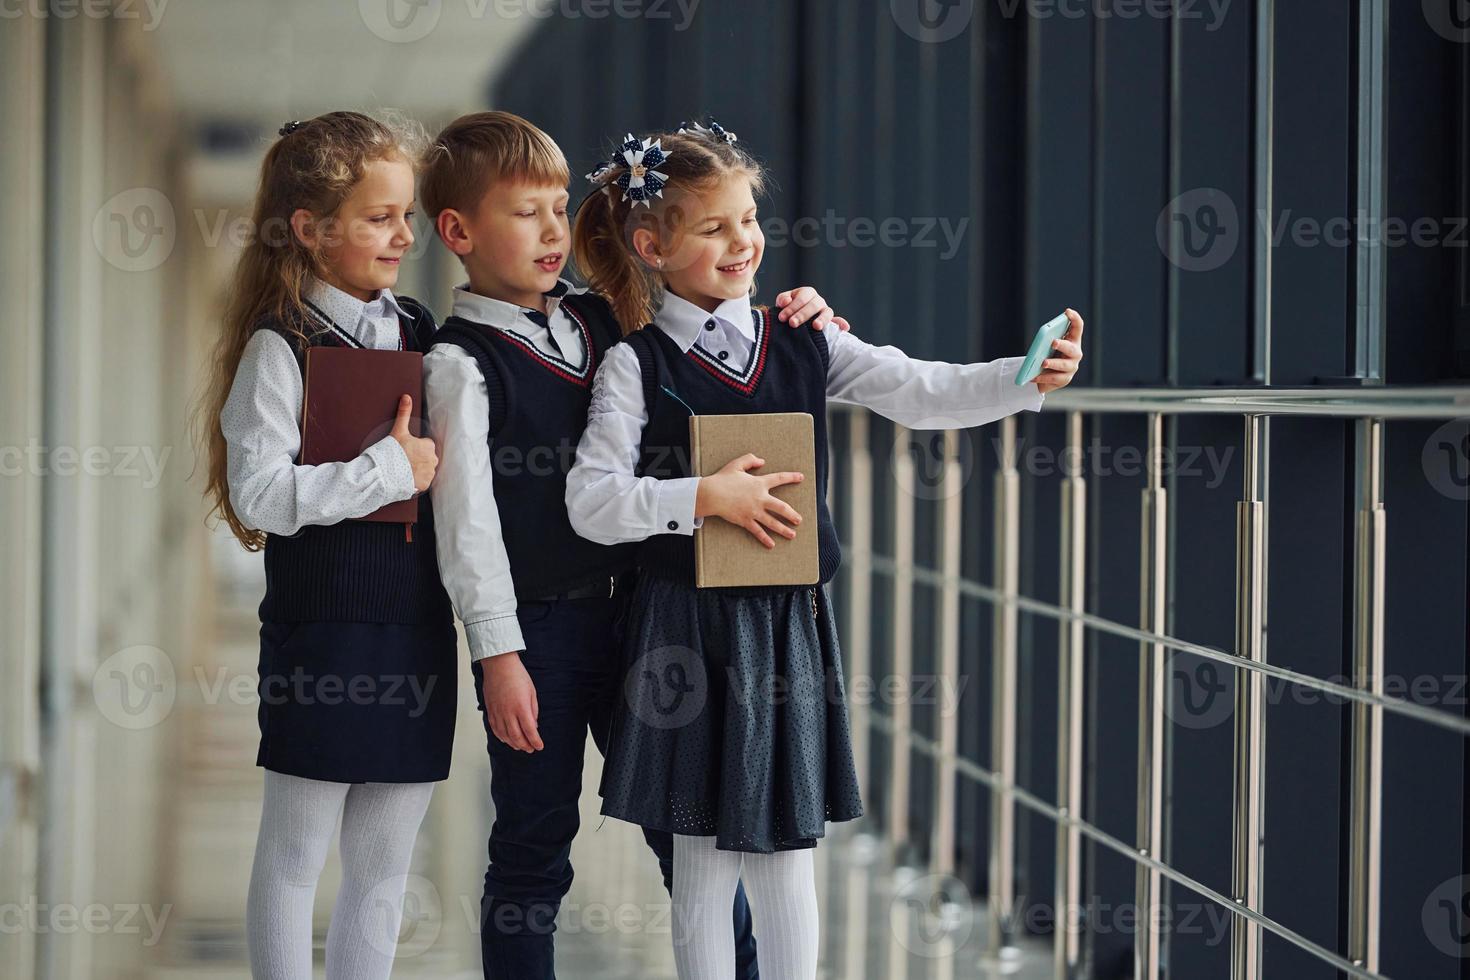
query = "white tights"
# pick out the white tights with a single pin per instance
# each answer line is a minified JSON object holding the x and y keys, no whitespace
{"x":782,"y":890}
{"x":379,"y":824}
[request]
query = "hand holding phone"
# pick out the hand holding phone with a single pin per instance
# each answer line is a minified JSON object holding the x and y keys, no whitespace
{"x":1050,"y":331}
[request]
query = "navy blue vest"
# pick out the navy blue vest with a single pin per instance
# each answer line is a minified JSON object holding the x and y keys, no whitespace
{"x":357,"y":571}
{"x":538,"y":410}
{"x":788,"y":373}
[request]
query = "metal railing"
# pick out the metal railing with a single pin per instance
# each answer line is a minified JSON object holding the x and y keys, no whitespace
{"x":1370,"y":407}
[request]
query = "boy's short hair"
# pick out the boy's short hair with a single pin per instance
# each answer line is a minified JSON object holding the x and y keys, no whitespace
{"x":478,"y":149}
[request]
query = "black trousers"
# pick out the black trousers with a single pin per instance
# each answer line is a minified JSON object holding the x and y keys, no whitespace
{"x":572,"y":654}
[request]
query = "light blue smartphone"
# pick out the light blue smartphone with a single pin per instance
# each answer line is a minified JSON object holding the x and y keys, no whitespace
{"x":1040,"y":348}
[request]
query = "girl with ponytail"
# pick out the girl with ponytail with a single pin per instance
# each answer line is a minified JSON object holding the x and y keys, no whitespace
{"x":732,"y":730}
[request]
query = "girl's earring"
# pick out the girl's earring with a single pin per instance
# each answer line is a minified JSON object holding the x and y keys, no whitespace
{"x":660,"y":263}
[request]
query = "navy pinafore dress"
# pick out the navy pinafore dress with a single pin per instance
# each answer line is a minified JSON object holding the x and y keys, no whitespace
{"x":733,"y":719}
{"x":358,"y":653}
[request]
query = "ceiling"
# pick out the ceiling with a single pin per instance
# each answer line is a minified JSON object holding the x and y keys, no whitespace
{"x":272,"y":58}
{"x":234,"y":70}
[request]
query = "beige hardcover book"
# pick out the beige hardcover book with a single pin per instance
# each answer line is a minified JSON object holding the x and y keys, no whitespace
{"x":726,"y":554}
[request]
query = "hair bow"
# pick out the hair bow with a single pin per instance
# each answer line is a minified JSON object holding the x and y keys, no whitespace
{"x":715,"y":130}
{"x":641,"y":181}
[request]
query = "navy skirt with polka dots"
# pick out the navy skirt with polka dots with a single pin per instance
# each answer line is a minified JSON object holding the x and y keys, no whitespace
{"x":732,"y":719}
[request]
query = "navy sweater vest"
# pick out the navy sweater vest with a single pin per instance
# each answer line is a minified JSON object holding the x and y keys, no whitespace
{"x":789,"y":374}
{"x":357,"y":571}
{"x":538,"y":411}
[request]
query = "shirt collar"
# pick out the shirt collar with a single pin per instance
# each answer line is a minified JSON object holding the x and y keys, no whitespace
{"x":682,"y":321}
{"x":497,"y":312}
{"x":346,"y":310}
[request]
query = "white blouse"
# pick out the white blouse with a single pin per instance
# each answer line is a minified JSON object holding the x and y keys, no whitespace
{"x":261,"y":420}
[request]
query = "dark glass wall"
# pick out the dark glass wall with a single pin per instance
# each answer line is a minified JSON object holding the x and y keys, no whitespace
{"x":1030,"y":156}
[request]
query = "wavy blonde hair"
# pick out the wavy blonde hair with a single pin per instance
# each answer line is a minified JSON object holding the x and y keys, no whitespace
{"x":314,"y":166}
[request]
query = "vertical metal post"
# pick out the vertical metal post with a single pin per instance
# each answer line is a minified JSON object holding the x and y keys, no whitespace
{"x":1250,"y":526}
{"x":1152,"y":681}
{"x":1258,"y":223}
{"x":1366,"y":815}
{"x":76,"y":57}
{"x":859,"y":883}
{"x":857,"y":646}
{"x":948,"y":532}
{"x":1071,"y":674}
{"x":902,"y":642}
{"x":22,"y":180}
{"x":1250,"y":705}
{"x":1370,"y":260}
{"x":1003,"y":691}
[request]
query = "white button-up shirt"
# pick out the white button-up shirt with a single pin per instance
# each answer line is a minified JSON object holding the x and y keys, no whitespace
{"x":608,"y":503}
{"x":262,"y":428}
{"x":471,"y":546}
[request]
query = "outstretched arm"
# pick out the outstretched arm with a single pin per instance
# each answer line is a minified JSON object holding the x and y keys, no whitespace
{"x":938,"y":395}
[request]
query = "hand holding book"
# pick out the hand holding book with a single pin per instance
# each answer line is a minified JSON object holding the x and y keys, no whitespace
{"x":422,"y":455}
{"x":355,"y":398}
{"x":738,"y":549}
{"x":744,"y":499}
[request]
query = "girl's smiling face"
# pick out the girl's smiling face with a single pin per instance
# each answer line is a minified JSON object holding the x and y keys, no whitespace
{"x":363,"y":243}
{"x":714,"y":247}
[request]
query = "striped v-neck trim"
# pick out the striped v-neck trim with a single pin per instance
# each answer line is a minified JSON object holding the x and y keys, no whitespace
{"x":333,"y":327}
{"x":743,"y":381}
{"x":557,"y":365}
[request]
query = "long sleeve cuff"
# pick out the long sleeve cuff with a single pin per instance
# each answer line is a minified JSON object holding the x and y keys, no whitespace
{"x":1023,"y":397}
{"x":393,"y":467}
{"x":676,"y":506}
{"x":492,"y":637}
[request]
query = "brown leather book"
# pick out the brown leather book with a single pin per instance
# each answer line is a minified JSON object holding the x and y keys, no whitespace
{"x":726,"y":554}
{"x":351,"y":402}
